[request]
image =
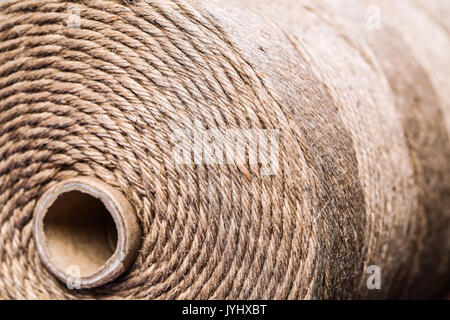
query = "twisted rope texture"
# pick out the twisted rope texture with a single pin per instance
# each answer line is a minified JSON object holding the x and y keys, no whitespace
{"x":363,"y":116}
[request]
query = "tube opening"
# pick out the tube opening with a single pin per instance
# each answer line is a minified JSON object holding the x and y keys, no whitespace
{"x":85,"y":231}
{"x":80,"y":232}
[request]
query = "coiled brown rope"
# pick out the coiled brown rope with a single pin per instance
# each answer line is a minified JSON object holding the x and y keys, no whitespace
{"x":363,"y":118}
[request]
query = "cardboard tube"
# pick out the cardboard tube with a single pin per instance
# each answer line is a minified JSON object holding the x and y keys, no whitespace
{"x":86,"y":232}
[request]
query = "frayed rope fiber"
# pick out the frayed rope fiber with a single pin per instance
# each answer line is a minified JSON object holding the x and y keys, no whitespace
{"x":362,"y":115}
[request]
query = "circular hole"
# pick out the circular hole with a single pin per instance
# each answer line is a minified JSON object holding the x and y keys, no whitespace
{"x":79,"y":231}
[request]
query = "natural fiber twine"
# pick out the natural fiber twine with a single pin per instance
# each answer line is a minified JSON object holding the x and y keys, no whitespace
{"x":363,"y":117}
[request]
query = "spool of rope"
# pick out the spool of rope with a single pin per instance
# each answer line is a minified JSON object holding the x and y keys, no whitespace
{"x":108,"y":110}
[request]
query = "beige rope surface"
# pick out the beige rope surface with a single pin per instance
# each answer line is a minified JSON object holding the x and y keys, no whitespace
{"x":363,"y":117}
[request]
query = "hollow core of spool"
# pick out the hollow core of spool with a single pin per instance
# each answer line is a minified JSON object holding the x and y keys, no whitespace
{"x":86,"y":232}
